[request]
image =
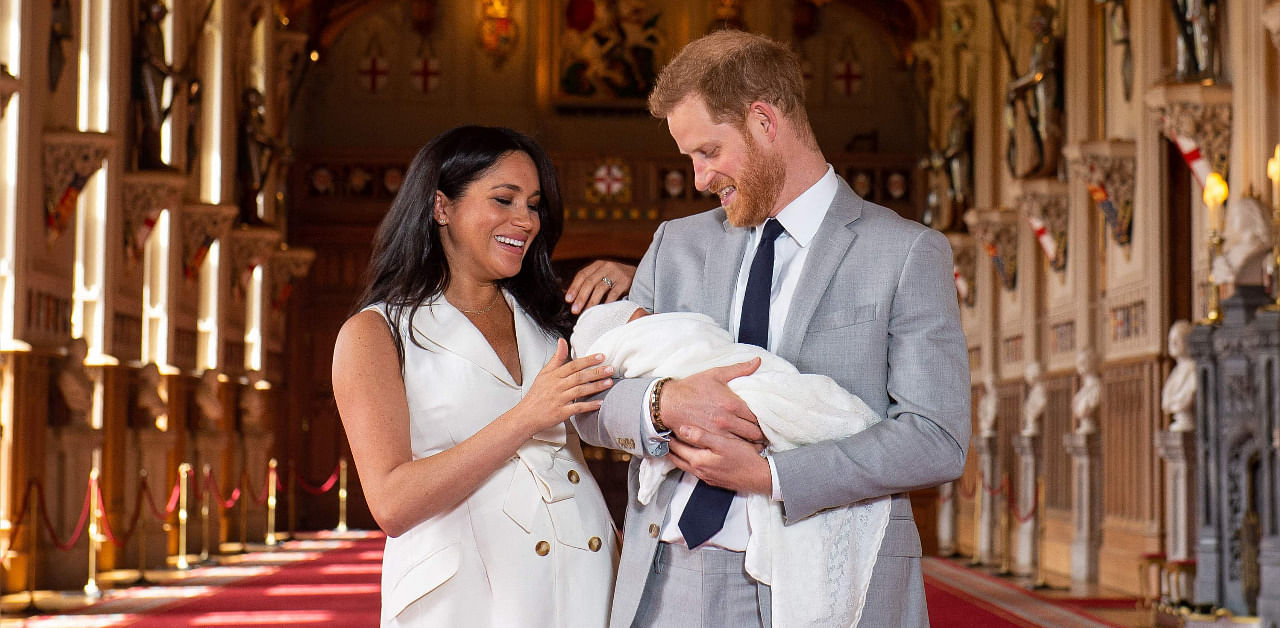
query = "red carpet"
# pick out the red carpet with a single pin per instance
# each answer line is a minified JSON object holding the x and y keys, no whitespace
{"x":949,"y":607}
{"x":337,"y":588}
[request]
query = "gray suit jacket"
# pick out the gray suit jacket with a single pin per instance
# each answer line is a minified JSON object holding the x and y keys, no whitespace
{"x":875,"y":309}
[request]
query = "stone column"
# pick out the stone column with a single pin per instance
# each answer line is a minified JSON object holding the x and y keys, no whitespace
{"x":1178,"y":451}
{"x":947,"y":519}
{"x":987,"y":518}
{"x":1086,"y":506}
{"x":1026,"y":517}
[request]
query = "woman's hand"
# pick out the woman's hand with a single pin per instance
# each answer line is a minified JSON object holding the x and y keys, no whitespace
{"x":555,"y":393}
{"x":590,"y":288}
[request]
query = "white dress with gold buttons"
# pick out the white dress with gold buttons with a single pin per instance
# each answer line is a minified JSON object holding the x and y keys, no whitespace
{"x":534,"y":544}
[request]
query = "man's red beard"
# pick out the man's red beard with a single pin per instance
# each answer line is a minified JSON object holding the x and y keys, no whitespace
{"x":757,"y":189}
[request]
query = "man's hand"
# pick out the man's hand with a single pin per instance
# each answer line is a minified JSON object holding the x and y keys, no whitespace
{"x":590,"y":288}
{"x":725,"y":461}
{"x":704,"y":400}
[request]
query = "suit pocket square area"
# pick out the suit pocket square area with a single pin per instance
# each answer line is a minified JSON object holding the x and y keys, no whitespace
{"x":843,"y":317}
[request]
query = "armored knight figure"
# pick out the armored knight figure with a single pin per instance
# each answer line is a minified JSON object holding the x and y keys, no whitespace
{"x":150,"y":69}
{"x":255,"y":148}
{"x":1043,"y":80}
{"x":959,"y":156}
{"x":1197,"y":22}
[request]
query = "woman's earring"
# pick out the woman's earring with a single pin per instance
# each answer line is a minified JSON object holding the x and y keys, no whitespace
{"x":441,"y":221}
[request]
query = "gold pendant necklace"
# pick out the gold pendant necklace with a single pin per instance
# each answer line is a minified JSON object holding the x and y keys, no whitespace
{"x":485,"y":309}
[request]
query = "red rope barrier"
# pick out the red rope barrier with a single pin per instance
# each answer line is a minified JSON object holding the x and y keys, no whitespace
{"x":48,"y":524}
{"x":22,"y":514}
{"x":1035,"y":505}
{"x":246,"y":481}
{"x":320,"y":490}
{"x":1004,"y":483}
{"x":969,"y":492}
{"x":212,"y":484}
{"x":133,"y":519}
{"x":172,"y":504}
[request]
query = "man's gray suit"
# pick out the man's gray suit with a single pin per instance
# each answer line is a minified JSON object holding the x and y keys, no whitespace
{"x":875,"y":309}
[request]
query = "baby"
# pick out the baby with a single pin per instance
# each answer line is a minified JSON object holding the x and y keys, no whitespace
{"x":818,"y":567}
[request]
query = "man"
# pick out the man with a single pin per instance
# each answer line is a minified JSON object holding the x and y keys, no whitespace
{"x":839,"y":287}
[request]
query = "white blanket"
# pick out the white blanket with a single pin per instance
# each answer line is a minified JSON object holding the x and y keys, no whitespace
{"x":819,"y":567}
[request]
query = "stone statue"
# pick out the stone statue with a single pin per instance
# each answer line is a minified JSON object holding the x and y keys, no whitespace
{"x":253,"y":410}
{"x":1197,"y":22}
{"x":1043,"y":80}
{"x":254,"y":153}
{"x":987,"y":409}
{"x":74,"y":383}
{"x":1180,"y":388}
{"x":150,"y":69}
{"x":1246,"y":243}
{"x":209,"y":401}
{"x":1084,"y":405}
{"x":1033,"y":405}
{"x":59,"y":31}
{"x":151,"y":397}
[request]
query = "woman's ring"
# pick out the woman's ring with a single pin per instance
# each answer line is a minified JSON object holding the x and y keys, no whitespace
{"x":607,"y":282}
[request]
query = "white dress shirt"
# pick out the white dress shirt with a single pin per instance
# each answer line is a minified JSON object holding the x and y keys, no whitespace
{"x":800,"y":221}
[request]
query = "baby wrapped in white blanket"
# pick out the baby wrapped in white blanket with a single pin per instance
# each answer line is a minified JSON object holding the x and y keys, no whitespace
{"x":818,"y":568}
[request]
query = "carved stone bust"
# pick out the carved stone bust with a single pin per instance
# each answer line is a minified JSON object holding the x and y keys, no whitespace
{"x":1033,"y":405}
{"x":1180,"y":388}
{"x":74,"y":383}
{"x":1084,"y":405}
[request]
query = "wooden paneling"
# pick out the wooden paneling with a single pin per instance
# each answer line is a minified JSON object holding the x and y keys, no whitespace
{"x":1056,"y":464}
{"x":1128,"y":419}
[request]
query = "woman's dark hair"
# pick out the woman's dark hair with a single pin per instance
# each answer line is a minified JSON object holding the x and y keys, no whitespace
{"x":408,"y":267}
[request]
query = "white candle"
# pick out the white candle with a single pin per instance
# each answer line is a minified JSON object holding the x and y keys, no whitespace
{"x":1273,"y":173}
{"x":1215,"y":193}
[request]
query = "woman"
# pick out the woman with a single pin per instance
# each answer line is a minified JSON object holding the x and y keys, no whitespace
{"x":456,"y":426}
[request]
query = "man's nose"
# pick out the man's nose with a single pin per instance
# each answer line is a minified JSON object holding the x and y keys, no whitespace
{"x":701,"y":176}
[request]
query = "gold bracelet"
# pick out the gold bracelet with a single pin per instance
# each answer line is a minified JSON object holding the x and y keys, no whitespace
{"x":654,"y":398}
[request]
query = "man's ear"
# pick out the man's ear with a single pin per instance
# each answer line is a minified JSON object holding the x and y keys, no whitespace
{"x":440,"y":208}
{"x":762,"y":120}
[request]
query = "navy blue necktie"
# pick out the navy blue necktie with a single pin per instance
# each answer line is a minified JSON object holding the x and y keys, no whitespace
{"x":704,"y":514}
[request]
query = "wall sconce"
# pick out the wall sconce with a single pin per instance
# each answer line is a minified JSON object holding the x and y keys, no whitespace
{"x":1215,"y":194}
{"x":498,"y":30}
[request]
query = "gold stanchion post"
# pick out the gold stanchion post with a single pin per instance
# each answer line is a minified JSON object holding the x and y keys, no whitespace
{"x":184,"y":471}
{"x":293,"y":499}
{"x":33,"y":558}
{"x":271,"y":503}
{"x":342,"y":495}
{"x":206,"y":526}
{"x":1039,"y":582}
{"x":1006,"y":529}
{"x":91,"y":586}
{"x":977,"y":523}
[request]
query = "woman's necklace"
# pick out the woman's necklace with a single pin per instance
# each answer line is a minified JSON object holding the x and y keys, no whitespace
{"x":483,"y":310}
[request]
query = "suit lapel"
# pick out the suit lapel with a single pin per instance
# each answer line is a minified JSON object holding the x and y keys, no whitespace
{"x":829,"y":246}
{"x":448,"y":328}
{"x":720,"y":273}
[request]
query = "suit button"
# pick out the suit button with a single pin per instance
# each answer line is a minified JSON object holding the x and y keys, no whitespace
{"x":573,"y":477}
{"x":653,"y":530}
{"x":542,"y":548}
{"x":594,"y":543}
